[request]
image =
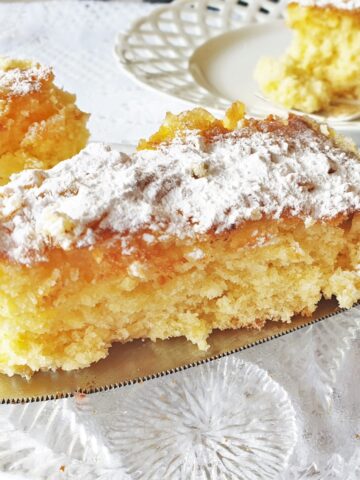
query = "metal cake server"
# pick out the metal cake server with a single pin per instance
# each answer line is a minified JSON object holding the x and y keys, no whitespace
{"x":139,"y":361}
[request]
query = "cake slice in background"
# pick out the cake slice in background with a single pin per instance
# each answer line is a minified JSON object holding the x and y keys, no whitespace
{"x":210,"y":225}
{"x":322,"y":65}
{"x":40,"y":124}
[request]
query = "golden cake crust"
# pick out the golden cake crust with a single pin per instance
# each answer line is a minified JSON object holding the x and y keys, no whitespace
{"x":40,"y":124}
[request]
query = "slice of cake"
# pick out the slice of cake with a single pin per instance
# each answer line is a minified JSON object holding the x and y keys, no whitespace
{"x":39,"y":123}
{"x":205,"y":227}
{"x":321,"y":68}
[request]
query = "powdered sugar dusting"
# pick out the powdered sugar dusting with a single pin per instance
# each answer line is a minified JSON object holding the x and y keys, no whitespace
{"x":19,"y":82}
{"x":184,"y":189}
{"x":340,"y":4}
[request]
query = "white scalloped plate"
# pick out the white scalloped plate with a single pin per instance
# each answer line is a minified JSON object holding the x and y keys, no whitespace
{"x":157,"y":48}
{"x":225,"y":65}
{"x":205,"y":52}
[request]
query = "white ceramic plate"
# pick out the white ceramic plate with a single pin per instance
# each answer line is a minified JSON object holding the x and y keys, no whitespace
{"x":157,"y":48}
{"x":205,"y":52}
{"x":225,"y":64}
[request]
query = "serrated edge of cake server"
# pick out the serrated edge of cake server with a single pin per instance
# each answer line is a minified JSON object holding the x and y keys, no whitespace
{"x":88,"y":391}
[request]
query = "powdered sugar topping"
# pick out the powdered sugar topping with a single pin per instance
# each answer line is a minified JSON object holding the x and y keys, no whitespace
{"x":19,"y":82}
{"x":184,"y":189}
{"x":340,"y":4}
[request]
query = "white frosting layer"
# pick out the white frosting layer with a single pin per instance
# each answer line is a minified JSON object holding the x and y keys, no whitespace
{"x":184,"y":189}
{"x":340,"y":4}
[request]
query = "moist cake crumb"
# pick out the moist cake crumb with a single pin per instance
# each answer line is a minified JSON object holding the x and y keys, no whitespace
{"x":108,"y":247}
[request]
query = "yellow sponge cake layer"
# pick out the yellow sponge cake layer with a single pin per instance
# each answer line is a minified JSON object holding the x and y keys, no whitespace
{"x":66,"y":313}
{"x":322,"y":65}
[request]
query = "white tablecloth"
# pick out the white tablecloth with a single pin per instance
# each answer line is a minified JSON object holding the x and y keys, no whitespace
{"x":288,"y":409}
